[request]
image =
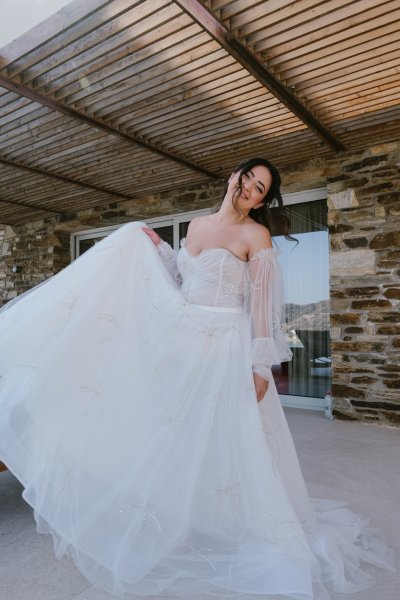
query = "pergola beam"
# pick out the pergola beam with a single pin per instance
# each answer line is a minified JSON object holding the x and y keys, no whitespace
{"x":27,"y":92}
{"x":205,"y":18}
{"x":69,"y":180}
{"x":32,"y":206}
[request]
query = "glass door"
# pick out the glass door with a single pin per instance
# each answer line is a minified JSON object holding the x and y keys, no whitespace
{"x":170,"y":228}
{"x":305,"y":381}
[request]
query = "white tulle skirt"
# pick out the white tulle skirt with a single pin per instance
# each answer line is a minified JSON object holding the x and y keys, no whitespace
{"x":130,"y":418}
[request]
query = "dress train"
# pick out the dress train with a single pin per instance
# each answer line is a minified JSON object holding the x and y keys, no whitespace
{"x":129,"y":414}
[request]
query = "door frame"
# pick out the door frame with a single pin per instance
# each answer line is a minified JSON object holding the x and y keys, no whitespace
{"x":304,"y":402}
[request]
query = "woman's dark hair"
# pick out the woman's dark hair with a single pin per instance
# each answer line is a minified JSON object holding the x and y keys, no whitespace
{"x":274,"y":220}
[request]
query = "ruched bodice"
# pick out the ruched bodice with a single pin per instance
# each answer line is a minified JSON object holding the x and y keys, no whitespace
{"x":215,"y":277}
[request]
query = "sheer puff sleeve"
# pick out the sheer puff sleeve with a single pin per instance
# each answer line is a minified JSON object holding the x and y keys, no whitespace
{"x":264,"y":306}
{"x":169,"y":257}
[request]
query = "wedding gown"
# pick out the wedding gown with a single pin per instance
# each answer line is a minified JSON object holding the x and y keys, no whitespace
{"x":128,"y":412}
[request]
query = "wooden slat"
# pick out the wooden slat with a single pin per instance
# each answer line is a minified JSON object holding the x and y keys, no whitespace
{"x":72,"y":22}
{"x":7,"y":83}
{"x":350,"y":75}
{"x":191,"y":84}
{"x":271,"y":15}
{"x":366,"y":20}
{"x":121,"y":85}
{"x":196,"y":88}
{"x":361,"y":106}
{"x":314,"y":18}
{"x":8,"y":101}
{"x":12,"y":125}
{"x":190,"y":122}
{"x":236,"y":139}
{"x":374,"y":118}
{"x":110,"y":99}
{"x":214,"y":126}
{"x":18,"y":113}
{"x":245,"y":58}
{"x":95,"y":41}
{"x":341,"y":45}
{"x":75,"y":137}
{"x":335,"y":67}
{"x":229,"y":10}
{"x":65,"y":80}
{"x":299,"y":143}
{"x":346,"y":92}
{"x":231,"y":132}
{"x":36,"y":144}
{"x":30,"y":205}
{"x":36,"y":130}
{"x":22,"y":167}
{"x":218,"y":101}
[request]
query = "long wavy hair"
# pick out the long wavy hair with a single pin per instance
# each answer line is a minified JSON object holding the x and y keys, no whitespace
{"x":271,"y":214}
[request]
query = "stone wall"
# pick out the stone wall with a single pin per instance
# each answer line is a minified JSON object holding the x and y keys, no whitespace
{"x":29,"y":254}
{"x":7,"y":288}
{"x":41,"y":248}
{"x":364,"y":219}
{"x":364,"y":213}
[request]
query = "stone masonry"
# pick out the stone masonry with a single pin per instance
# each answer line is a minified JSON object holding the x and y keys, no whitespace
{"x":364,"y":221}
{"x":42,"y":248}
{"x":364,"y":216}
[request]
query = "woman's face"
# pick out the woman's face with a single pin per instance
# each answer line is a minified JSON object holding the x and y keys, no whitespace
{"x":255,"y":185}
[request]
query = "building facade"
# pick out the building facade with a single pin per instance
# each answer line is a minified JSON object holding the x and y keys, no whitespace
{"x":363,"y":198}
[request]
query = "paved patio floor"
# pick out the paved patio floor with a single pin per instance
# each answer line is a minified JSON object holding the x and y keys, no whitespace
{"x":357,"y":463}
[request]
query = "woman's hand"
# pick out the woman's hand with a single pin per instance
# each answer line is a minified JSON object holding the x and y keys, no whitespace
{"x":155,"y":238}
{"x":261,"y":386}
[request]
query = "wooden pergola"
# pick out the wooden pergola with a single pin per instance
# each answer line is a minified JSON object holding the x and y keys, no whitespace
{"x":119,"y":99}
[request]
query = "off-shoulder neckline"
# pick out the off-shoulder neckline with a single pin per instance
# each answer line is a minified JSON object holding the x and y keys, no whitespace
{"x":207,"y":250}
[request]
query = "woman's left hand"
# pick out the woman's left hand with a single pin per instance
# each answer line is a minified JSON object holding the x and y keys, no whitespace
{"x":261,"y":386}
{"x":155,"y":238}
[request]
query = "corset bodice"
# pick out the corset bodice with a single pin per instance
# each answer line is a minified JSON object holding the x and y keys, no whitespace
{"x":215,"y":277}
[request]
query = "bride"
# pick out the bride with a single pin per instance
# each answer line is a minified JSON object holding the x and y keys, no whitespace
{"x":138,"y":409}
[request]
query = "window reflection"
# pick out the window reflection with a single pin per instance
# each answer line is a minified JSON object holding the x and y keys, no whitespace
{"x":306,"y":280}
{"x":183,"y":227}
{"x":85,"y":244}
{"x":166,"y":233}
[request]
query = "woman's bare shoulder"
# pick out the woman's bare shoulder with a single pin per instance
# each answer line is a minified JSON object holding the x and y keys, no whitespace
{"x":197,"y":223}
{"x":258,"y":237}
{"x":199,"y":219}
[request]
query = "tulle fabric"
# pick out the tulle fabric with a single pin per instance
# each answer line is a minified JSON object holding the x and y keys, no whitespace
{"x":259,"y":290}
{"x":263,"y":302}
{"x":128,"y":412}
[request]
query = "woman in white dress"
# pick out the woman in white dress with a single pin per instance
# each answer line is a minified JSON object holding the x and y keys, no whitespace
{"x":138,"y":409}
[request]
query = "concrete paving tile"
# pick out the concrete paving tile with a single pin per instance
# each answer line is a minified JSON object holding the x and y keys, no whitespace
{"x":29,"y":569}
{"x":351,"y":430}
{"x":94,"y":594}
{"x":306,"y":425}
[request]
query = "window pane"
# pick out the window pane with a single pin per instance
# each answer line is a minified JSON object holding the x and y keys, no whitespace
{"x":84,"y":245}
{"x":308,"y":216}
{"x":183,"y":227}
{"x":166,"y":233}
{"x":306,"y":278}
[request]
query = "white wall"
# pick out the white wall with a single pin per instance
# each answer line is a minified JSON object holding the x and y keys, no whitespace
{"x":18,"y":16}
